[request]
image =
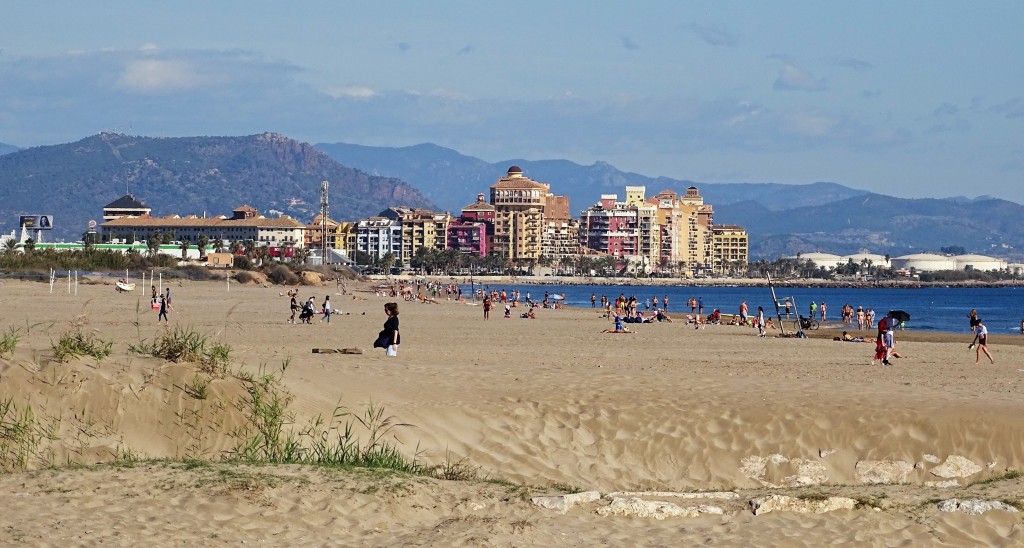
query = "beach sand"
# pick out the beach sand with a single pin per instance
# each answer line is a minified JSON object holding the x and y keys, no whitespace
{"x":537,"y":406}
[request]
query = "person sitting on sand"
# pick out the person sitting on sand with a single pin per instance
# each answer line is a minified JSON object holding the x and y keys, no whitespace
{"x":662,"y":316}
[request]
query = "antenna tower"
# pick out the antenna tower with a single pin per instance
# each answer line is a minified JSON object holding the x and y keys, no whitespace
{"x":323,"y":218}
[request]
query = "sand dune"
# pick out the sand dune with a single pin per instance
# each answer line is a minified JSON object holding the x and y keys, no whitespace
{"x":550,"y":403}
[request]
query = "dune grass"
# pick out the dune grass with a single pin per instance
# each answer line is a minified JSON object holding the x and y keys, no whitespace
{"x":9,"y":341}
{"x":76,"y":343}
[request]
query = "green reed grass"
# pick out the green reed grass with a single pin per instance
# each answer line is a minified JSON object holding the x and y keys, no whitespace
{"x":75,"y":343}
{"x":9,"y":341}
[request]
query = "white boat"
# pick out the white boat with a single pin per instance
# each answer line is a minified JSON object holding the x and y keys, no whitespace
{"x":124,"y":286}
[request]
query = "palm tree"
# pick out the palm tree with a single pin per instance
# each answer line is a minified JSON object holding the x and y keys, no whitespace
{"x":184,"y":250}
{"x":218,"y":245}
{"x":10,"y":246}
{"x":153,"y":243}
{"x":203,"y":241}
{"x":235,"y":247}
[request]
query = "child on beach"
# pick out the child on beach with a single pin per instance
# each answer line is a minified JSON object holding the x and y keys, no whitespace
{"x":981,"y":338}
{"x":760,"y":321}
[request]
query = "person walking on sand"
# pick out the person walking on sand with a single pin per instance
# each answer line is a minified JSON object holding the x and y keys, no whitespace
{"x":487,"y":308}
{"x":700,"y":305}
{"x":165,"y":304}
{"x":326,"y":309}
{"x":760,"y":321}
{"x":593,"y":300}
{"x":814,"y":308}
{"x":743,"y":312}
{"x":294,"y":307}
{"x":981,"y":339}
{"x":822,"y":308}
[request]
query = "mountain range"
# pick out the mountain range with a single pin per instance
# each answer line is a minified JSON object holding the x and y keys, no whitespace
{"x":6,"y":149}
{"x":278,"y":175}
{"x":185,"y":176}
{"x":781,"y":219}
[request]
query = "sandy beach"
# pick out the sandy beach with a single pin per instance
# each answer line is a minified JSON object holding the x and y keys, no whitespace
{"x":538,"y":407}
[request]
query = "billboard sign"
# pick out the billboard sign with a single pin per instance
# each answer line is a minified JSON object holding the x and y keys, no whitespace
{"x":37,"y":222}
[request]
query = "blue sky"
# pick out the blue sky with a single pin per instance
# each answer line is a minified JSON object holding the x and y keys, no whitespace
{"x":910,"y":98}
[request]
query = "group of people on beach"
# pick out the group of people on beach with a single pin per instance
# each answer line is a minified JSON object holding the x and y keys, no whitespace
{"x":307,"y":309}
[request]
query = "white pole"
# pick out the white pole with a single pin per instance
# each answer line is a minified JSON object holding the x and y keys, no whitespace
{"x":69,"y":282}
{"x":228,"y":279}
{"x":52,"y":277}
{"x":161,"y":284}
{"x":76,"y":283}
{"x":143,"y":281}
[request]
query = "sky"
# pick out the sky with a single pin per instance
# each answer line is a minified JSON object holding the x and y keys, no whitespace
{"x":912,"y":98}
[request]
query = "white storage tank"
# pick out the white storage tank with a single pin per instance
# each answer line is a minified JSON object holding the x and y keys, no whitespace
{"x":876,"y":259}
{"x":979,"y":262}
{"x":826,"y":260}
{"x":925,"y":262}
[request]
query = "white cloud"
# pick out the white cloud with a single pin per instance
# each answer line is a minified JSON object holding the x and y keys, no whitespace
{"x":351,"y":92}
{"x":149,"y":47}
{"x":793,"y":78}
{"x":158,"y":76}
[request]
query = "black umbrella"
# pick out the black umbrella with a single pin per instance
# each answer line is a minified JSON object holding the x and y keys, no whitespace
{"x":899,"y":315}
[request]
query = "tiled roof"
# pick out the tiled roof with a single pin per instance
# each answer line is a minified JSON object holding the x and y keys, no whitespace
{"x":126,"y":202}
{"x":174,"y":221}
{"x":479,"y":206}
{"x":519,"y":183}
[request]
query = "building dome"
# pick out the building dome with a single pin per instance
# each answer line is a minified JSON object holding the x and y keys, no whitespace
{"x":978,"y":262}
{"x":515,"y":171}
{"x":925,"y":262}
{"x":822,"y":259}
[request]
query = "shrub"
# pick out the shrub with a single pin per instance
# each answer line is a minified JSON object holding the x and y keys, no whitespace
{"x":76,"y":343}
{"x":242,"y":262}
{"x":245,"y":277}
{"x":186,"y":345}
{"x":282,"y":275}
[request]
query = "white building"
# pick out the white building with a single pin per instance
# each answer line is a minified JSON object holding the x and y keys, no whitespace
{"x":979,"y":262}
{"x":925,"y":262}
{"x":826,"y":260}
{"x":378,"y":236}
{"x":859,"y":258}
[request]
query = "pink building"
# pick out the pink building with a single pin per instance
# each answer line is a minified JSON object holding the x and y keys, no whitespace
{"x":473,"y":232}
{"x":468,"y":236}
{"x":610,"y":227}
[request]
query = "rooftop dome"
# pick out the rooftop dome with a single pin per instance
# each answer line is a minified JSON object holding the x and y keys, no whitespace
{"x":515,"y":171}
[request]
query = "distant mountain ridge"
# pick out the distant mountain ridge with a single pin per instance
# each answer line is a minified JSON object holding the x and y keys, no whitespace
{"x":453,"y":180}
{"x":187,"y":175}
{"x":782,"y":219}
{"x":7,"y":149}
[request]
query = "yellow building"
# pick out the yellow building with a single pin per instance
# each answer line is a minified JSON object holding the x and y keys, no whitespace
{"x":731,"y":248}
{"x":519,"y":204}
{"x":420,"y":228}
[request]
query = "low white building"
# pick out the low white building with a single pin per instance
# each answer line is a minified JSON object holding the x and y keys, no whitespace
{"x":979,"y":262}
{"x":876,"y":259}
{"x":826,"y":260}
{"x":925,"y":262}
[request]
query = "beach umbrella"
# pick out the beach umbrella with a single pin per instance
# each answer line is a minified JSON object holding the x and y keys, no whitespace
{"x":899,"y":315}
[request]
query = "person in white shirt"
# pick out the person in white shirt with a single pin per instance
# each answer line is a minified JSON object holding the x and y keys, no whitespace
{"x":981,"y":339}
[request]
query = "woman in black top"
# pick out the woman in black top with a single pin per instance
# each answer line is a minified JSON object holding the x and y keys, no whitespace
{"x":391,"y":329}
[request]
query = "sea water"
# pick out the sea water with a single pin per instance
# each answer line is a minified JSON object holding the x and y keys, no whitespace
{"x":943,"y":309}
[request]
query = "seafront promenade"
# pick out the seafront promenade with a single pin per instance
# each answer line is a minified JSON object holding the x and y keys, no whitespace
{"x":695,"y":282}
